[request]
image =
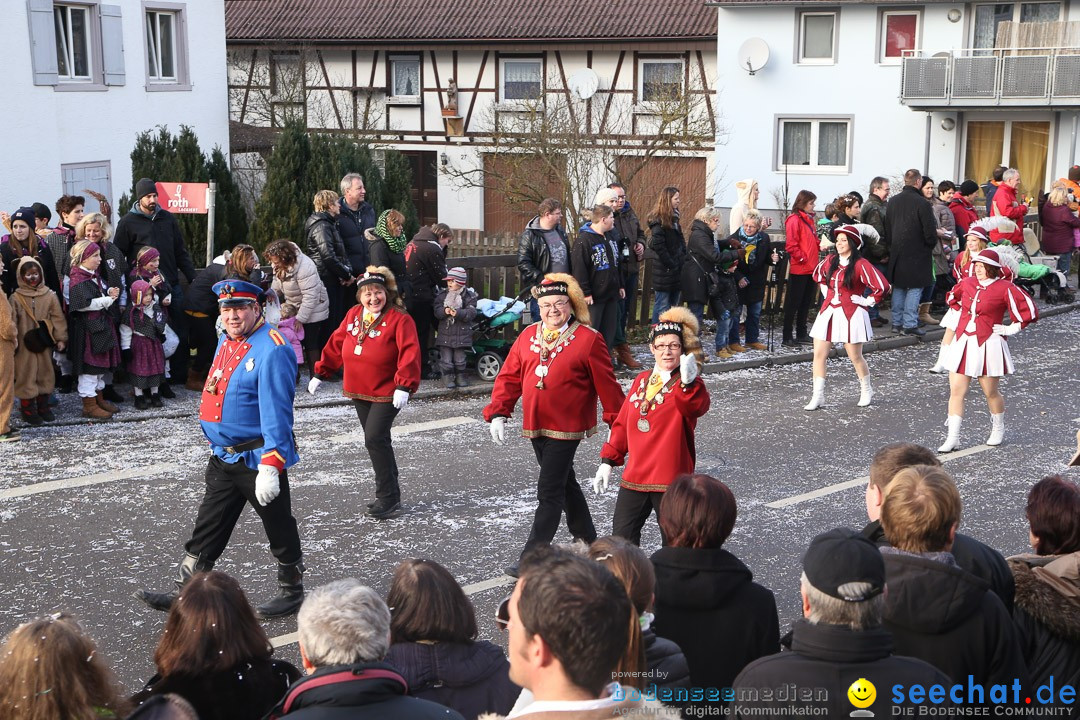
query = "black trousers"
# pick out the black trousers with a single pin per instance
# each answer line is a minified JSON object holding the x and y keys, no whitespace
{"x":334,"y":292}
{"x":178,"y":321}
{"x":632,"y":509}
{"x":423,"y":315}
{"x":376,"y":419}
{"x":229,"y":486}
{"x":605,"y":318}
{"x":556,"y":490}
{"x":801,"y":292}
{"x":203,"y":339}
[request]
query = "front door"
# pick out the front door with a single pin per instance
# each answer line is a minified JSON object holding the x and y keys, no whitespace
{"x":425,"y":187}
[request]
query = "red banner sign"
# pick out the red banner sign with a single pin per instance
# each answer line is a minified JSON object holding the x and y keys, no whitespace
{"x":183,"y":198}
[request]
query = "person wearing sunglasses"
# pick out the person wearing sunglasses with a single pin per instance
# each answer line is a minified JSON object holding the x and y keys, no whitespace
{"x":559,"y":368}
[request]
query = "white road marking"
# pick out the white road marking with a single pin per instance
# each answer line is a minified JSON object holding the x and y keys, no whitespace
{"x":838,"y":487}
{"x":100,"y":478}
{"x":471,"y":589}
{"x":408,"y":429}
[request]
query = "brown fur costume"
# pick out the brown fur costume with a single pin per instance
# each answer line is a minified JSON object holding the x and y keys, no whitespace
{"x":393,"y":299}
{"x":578,"y":307}
{"x":7,"y":364}
{"x":34,"y":371}
{"x":691,"y":343}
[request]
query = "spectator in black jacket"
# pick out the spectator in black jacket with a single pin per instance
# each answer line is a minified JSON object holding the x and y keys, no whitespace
{"x":912,"y":232}
{"x":355,"y":217}
{"x":595,"y":262}
{"x":977,"y":558}
{"x":325,"y":248}
{"x":668,"y":243}
{"x":147,"y":225}
{"x":633,"y":237}
{"x":840,"y":642}
{"x":705,"y":281}
{"x":386,"y":248}
{"x":542,"y":248}
{"x":425,"y":264}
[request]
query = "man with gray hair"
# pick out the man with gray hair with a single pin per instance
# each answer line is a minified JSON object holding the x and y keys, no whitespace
{"x":344,"y":630}
{"x":355,"y":217}
{"x":841,"y":656}
{"x":1005,"y":204}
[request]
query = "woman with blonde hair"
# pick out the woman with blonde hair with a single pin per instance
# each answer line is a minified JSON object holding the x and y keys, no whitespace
{"x":326,"y":248}
{"x":670,"y":247}
{"x":50,"y":669}
{"x":1060,"y":228}
{"x":748,"y":192}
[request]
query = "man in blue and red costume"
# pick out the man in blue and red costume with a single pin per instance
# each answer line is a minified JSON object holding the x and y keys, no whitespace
{"x":247,"y":416}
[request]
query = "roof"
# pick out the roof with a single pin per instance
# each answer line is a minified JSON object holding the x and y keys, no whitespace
{"x":811,"y":3}
{"x":347,"y":21}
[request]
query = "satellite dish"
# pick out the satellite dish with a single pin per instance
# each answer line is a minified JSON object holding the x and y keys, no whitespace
{"x":584,"y":83}
{"x":753,"y":55}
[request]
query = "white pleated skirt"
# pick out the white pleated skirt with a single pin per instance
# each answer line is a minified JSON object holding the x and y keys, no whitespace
{"x":951,"y":319}
{"x":832,"y":325}
{"x":991,"y":359}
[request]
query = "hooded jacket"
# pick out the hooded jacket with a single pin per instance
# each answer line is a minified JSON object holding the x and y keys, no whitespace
{"x":325,"y":247}
{"x":425,"y":263}
{"x":949,"y":618}
{"x":160,"y":231}
{"x":472,"y":678}
{"x":595,"y":265}
{"x":742,"y":205}
{"x":706,"y":600}
{"x":1047,"y":615}
{"x":30,"y":306}
{"x":533,"y":255}
{"x":301,"y":287}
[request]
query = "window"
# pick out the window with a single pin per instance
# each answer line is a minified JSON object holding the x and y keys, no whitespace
{"x":161,"y":45}
{"x":522,"y":79}
{"x":989,"y":17}
{"x":660,"y":80}
{"x":899,"y":32}
{"x":1024,"y":145}
{"x":817,"y":38}
{"x":822,"y":145}
{"x":405,"y":77}
{"x":72,"y":42}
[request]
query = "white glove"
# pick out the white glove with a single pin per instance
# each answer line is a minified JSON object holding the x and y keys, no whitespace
{"x":267,"y":486}
{"x":100,"y":303}
{"x":498,"y":430}
{"x":603,"y":477}
{"x":864,"y":301}
{"x":688,"y":369}
{"x":401,"y":399}
{"x":1007,"y":330}
{"x":314,"y":385}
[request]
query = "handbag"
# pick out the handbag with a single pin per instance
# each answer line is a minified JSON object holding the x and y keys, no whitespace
{"x":712,"y":279}
{"x":38,"y":339}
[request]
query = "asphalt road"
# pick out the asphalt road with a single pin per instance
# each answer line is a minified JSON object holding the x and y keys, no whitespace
{"x":89,"y":513}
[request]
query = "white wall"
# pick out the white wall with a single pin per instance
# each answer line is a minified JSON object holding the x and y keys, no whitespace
{"x":43,"y":127}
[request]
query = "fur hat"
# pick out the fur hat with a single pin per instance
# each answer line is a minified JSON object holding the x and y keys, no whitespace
{"x":564,"y":284}
{"x":680,"y":321}
{"x":383,"y":276}
{"x":144,"y":187}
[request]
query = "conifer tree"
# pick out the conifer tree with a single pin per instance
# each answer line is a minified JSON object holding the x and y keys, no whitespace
{"x":285,"y":202}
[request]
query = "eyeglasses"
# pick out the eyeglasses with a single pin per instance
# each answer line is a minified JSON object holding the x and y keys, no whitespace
{"x":551,"y":307}
{"x":502,"y":614}
{"x":674,"y":347}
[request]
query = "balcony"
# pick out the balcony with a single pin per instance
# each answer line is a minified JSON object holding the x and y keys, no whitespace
{"x":999,"y":77}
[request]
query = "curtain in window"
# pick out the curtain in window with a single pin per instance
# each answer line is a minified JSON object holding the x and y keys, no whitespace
{"x":521,"y":80}
{"x":796,"y":149}
{"x":1027,"y":153}
{"x":984,"y":149}
{"x":1040,"y":12}
{"x":987,"y":18}
{"x":406,"y":78}
{"x":660,"y":80}
{"x":832,"y":143}
{"x":900,"y":34}
{"x":818,"y":36}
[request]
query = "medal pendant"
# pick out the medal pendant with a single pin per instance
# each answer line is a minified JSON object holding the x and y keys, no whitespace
{"x":541,"y":371}
{"x":544,"y":355}
{"x":211,"y":386}
{"x":643,"y":425}
{"x":358,"y":349}
{"x":540,"y":385}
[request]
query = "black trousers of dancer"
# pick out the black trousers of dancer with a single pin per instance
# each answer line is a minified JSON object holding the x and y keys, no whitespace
{"x":230,"y":486}
{"x":801,"y":291}
{"x":632,"y":509}
{"x":376,"y":419}
{"x":558,"y":490}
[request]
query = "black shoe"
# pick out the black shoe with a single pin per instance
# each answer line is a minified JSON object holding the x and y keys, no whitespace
{"x":32,"y":419}
{"x":790,"y":343}
{"x":142,"y":402}
{"x":879,"y":322}
{"x":155,"y":399}
{"x":383,"y":509}
{"x":46,"y":414}
{"x":66,"y":384}
{"x":291,"y":595}
{"x":513,"y":570}
{"x":806,"y":340}
{"x":164,"y":601}
{"x":166,"y":392}
{"x":916,"y":331}
{"x":110,"y":394}
{"x":462,"y":381}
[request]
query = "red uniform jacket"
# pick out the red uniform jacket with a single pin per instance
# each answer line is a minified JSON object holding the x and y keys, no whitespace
{"x":389,"y":359}
{"x":962,"y":268}
{"x":1004,"y":197}
{"x":964,"y":213}
{"x":667,"y":450}
{"x":566,"y":408}
{"x":988,"y":303}
{"x":801,"y":243}
{"x":866,"y":276}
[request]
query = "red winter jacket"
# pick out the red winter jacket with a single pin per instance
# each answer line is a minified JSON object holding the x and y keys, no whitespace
{"x":1005,"y":205}
{"x":965,"y":214}
{"x":801,"y":243}
{"x":389,"y":359}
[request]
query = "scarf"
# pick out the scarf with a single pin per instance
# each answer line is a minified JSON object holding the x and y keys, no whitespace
{"x":396,"y":244}
{"x":19,"y":249}
{"x":80,"y":274}
{"x":453,"y":299}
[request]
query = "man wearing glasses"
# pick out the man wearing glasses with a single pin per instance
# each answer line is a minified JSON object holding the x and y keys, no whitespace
{"x":559,"y":368}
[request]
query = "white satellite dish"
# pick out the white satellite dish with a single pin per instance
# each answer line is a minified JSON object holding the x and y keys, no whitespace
{"x":753,"y":55}
{"x":584,"y":83}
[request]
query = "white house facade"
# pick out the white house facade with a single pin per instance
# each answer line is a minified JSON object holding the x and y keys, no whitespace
{"x":852,"y":90}
{"x":83,"y":78}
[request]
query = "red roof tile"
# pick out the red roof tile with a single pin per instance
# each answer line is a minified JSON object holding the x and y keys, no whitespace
{"x":335,"y":21}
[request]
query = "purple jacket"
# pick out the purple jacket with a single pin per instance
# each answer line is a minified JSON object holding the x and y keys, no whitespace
{"x":1058,"y":224}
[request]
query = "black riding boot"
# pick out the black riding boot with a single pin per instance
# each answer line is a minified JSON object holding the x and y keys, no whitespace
{"x":164,"y":601}
{"x":291,"y":580}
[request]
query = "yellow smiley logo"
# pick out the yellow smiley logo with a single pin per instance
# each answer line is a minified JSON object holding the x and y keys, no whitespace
{"x":862,"y":693}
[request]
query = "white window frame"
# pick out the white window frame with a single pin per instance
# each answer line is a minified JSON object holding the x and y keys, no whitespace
{"x":182,"y":80}
{"x":503,"y":60}
{"x":800,"y":30}
{"x":643,"y":61}
{"x":411,"y":58}
{"x":92,"y":42}
{"x":1015,"y":16}
{"x":815,"y":125}
{"x":883,"y":20}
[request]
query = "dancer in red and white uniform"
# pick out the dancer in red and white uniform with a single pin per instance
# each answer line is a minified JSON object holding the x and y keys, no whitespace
{"x":843,"y":278}
{"x":976,"y":240}
{"x":980,"y":349}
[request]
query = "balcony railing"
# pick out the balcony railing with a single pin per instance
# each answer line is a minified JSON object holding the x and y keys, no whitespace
{"x":1021,"y":77}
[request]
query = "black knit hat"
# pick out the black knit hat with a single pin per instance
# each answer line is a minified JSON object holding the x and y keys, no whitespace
{"x":41,"y":211}
{"x":968,"y":187}
{"x":144,"y":187}
{"x":25,"y":214}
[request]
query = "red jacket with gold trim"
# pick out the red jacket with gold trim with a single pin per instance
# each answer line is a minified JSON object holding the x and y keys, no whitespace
{"x":389,"y":357}
{"x":253,"y":399}
{"x":667,"y":450}
{"x":988,"y":303}
{"x":579,"y":374}
{"x":866,"y":276}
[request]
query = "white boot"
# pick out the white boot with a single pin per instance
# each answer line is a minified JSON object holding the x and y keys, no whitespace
{"x":867,"y":393}
{"x":818,"y":398}
{"x":952,"y":440}
{"x":939,"y":366}
{"x":997,"y":429}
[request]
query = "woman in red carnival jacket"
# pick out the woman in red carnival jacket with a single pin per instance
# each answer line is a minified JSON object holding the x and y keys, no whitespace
{"x":377,"y":345}
{"x":843,"y":318}
{"x":656,"y":424}
{"x":801,"y":245}
{"x":558,"y":367}
{"x":980,"y":349}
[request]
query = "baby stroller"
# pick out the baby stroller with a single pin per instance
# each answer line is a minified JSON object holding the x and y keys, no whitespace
{"x":490,"y":348}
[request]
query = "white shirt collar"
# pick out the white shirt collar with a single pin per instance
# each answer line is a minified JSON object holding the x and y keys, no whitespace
{"x":539,"y":706}
{"x":665,"y":375}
